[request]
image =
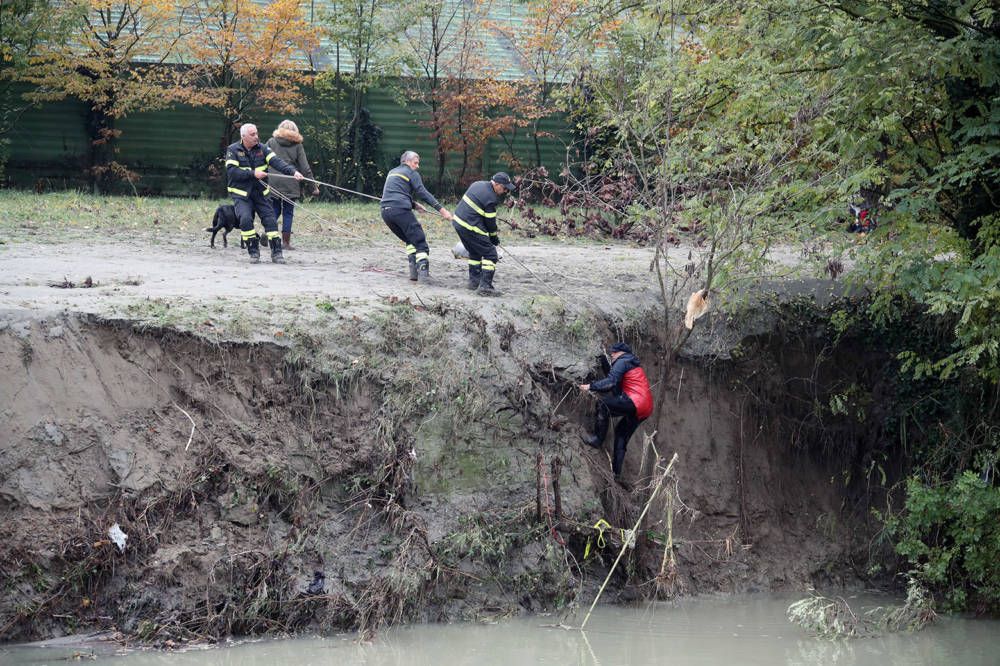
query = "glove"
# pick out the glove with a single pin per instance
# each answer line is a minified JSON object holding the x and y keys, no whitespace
{"x":495,"y":239}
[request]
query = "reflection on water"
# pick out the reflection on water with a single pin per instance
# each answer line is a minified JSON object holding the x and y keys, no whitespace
{"x":729,"y":630}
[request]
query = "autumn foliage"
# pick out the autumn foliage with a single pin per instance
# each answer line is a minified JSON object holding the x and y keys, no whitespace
{"x":109,"y":64}
{"x":240,"y":55}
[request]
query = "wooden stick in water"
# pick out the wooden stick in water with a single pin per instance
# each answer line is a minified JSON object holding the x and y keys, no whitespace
{"x":652,"y":497}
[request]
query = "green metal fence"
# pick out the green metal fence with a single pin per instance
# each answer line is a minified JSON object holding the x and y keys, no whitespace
{"x":176,"y":151}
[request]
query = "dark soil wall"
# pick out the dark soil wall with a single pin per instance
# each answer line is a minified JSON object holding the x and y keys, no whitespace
{"x":411,"y":484}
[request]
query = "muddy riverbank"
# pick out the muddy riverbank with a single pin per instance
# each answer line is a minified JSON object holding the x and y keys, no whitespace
{"x":355,"y":452}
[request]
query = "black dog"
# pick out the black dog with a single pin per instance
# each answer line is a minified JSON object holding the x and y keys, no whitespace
{"x":225,"y":221}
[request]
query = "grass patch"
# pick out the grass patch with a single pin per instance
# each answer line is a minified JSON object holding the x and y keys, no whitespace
{"x":71,"y":216}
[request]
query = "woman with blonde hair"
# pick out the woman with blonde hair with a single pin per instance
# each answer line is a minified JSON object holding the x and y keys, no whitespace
{"x":287,"y":144}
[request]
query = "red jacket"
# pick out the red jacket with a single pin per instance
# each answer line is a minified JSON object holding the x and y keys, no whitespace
{"x":629,"y":378}
{"x":636,"y":386}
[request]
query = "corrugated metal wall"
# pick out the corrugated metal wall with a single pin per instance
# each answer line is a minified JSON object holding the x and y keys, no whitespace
{"x":173,"y":150}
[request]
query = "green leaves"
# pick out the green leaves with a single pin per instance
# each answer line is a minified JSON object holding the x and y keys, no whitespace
{"x":950,"y":533}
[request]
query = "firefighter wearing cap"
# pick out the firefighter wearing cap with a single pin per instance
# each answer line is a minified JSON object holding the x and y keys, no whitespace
{"x":247,"y":163}
{"x":624,"y":392}
{"x":475,"y":221}
{"x":402,"y":184}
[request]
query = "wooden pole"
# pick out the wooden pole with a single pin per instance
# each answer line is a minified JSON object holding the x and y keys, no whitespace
{"x":538,"y":486}
{"x":556,"y":471}
{"x":625,"y":545}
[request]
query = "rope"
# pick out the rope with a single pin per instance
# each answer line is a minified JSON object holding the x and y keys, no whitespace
{"x":508,"y":253}
{"x":305,"y":210}
{"x":506,"y":250}
{"x":336,"y":187}
{"x":625,"y":545}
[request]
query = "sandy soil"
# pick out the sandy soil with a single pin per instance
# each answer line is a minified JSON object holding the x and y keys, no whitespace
{"x":124,"y":270}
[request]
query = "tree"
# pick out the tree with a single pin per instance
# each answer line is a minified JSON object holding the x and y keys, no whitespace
{"x":544,"y":46}
{"x":431,"y":44}
{"x":470,"y":113}
{"x":111,"y":64}
{"x":368,"y":32}
{"x":24,"y":24}
{"x":241,"y":56}
{"x":746,"y":122}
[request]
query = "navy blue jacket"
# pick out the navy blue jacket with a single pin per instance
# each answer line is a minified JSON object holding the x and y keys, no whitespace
{"x":402,"y":184}
{"x":242,"y":162}
{"x":613,"y":382}
{"x":477,"y":211}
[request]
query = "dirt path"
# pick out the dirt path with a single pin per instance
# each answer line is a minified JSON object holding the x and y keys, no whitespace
{"x":124,"y":271}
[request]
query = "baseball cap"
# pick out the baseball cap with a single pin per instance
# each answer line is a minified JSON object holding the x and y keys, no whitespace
{"x":501,"y":178}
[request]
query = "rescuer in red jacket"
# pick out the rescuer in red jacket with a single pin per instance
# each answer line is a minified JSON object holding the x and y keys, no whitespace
{"x":624,"y":392}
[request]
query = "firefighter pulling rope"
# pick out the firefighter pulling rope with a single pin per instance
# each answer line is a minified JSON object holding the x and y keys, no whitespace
{"x":479,"y":232}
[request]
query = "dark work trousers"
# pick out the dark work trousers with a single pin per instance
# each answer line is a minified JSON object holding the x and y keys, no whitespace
{"x":479,"y":247}
{"x":616,"y":405}
{"x":403,"y":223}
{"x":265,"y":210}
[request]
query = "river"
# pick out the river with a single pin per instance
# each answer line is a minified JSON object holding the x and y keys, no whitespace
{"x":737,"y":630}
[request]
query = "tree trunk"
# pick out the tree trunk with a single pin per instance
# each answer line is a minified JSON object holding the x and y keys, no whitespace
{"x":100,"y":133}
{"x":356,"y":155}
{"x":338,"y":156}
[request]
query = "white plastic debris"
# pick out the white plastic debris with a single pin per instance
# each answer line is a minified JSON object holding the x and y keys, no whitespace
{"x":117,"y":536}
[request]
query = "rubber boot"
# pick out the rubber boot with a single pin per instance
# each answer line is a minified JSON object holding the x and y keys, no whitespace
{"x":618,"y":457}
{"x":253,"y":249}
{"x":486,"y":285}
{"x":475,"y":276}
{"x":276,"y":251}
{"x":286,"y":240}
{"x":413,"y":267}
{"x":424,"y":271}
{"x":601,"y":421}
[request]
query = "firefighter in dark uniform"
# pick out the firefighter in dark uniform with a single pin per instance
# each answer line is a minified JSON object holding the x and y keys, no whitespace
{"x":247,"y":163}
{"x":475,"y":220}
{"x":402,"y":184}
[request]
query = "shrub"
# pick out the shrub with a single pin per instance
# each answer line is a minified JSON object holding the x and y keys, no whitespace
{"x":951,"y":536}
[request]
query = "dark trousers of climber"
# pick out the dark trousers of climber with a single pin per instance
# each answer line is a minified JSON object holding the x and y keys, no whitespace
{"x":483,"y":255}
{"x":256,"y":201}
{"x":609,"y":406}
{"x":403,"y":223}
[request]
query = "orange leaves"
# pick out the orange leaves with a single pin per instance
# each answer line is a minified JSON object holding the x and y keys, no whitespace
{"x":239,"y":54}
{"x":471,"y":112}
{"x":106,"y":61}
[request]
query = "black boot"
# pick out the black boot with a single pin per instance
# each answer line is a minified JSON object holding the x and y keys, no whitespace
{"x":413,"y":267}
{"x":253,"y":249}
{"x":486,"y":285}
{"x":276,"y":250}
{"x":618,"y":457}
{"x":424,"y":271}
{"x":475,"y":276}
{"x":601,"y":421}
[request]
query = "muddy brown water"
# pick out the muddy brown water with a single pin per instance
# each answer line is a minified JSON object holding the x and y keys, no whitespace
{"x":713,"y":630}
